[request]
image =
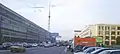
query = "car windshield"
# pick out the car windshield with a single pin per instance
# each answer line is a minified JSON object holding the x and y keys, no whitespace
{"x":116,"y":52}
{"x":97,"y":51}
{"x":58,"y":26}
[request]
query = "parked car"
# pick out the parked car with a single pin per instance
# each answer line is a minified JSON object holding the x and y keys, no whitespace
{"x":34,"y":45}
{"x":100,"y":50}
{"x":110,"y":52}
{"x":14,"y":49}
{"x":41,"y":44}
{"x":51,"y":44}
{"x":91,"y":49}
{"x":46,"y":45}
{"x":1,"y":47}
{"x":85,"y":47}
{"x":6,"y":45}
{"x":78,"y":48}
{"x":58,"y":45}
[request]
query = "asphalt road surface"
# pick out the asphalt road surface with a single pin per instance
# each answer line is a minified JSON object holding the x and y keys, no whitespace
{"x":40,"y":50}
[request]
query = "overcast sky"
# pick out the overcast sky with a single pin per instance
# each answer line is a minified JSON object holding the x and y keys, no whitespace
{"x":67,"y":15}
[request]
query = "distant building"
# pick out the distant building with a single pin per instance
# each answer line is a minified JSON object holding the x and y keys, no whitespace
{"x":16,"y":28}
{"x":77,"y":33}
{"x":108,"y":32}
{"x":54,"y":36}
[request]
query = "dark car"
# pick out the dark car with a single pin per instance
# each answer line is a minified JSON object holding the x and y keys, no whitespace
{"x":78,"y":48}
{"x":85,"y":47}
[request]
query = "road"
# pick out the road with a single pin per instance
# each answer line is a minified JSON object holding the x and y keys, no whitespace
{"x":40,"y":50}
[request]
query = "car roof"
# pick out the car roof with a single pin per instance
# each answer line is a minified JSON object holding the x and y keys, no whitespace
{"x":102,"y":49}
{"x":92,"y":48}
{"x":95,"y":47}
{"x":113,"y":50}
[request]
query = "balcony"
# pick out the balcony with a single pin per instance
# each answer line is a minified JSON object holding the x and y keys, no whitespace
{"x":118,"y":36}
{"x":113,"y":35}
{"x":113,"y":29}
{"x":107,"y":40}
{"x":107,"y":34}
{"x":113,"y":40}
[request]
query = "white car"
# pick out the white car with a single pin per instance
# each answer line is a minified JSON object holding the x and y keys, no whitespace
{"x":34,"y":45}
{"x":46,"y":45}
{"x":79,"y":53}
{"x":91,"y":49}
{"x":100,"y":50}
{"x":110,"y":52}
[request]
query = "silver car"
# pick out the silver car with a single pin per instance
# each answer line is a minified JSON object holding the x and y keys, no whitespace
{"x":100,"y":50}
{"x":91,"y":49}
{"x":110,"y":52}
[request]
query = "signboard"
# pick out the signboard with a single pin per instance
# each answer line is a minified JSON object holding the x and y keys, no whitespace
{"x":98,"y":39}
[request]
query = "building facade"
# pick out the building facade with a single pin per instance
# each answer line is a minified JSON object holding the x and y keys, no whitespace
{"x":15,"y":28}
{"x":54,"y":36}
{"x":77,"y":33}
{"x":108,"y":32}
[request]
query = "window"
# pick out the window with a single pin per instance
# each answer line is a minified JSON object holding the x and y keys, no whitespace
{"x":99,"y":28}
{"x":112,"y":28}
{"x":113,"y":33}
{"x":108,"y":28}
{"x":105,"y":52}
{"x":107,"y":42}
{"x":105,"y":27}
{"x":116,"y":52}
{"x":118,"y":33}
{"x":107,"y":37}
{"x":118,"y":28}
{"x":102,"y":27}
{"x":113,"y":37}
{"x":100,"y":33}
{"x":113,"y":42}
{"x":107,"y":32}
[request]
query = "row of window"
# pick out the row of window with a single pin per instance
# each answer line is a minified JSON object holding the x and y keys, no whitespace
{"x":18,"y":34}
{"x":13,"y":27}
{"x":108,"y":28}
{"x":108,"y":33}
{"x":107,"y":42}
{"x":12,"y":33}
{"x":112,"y":37}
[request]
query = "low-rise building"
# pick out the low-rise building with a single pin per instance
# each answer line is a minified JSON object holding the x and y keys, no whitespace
{"x":108,"y":32}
